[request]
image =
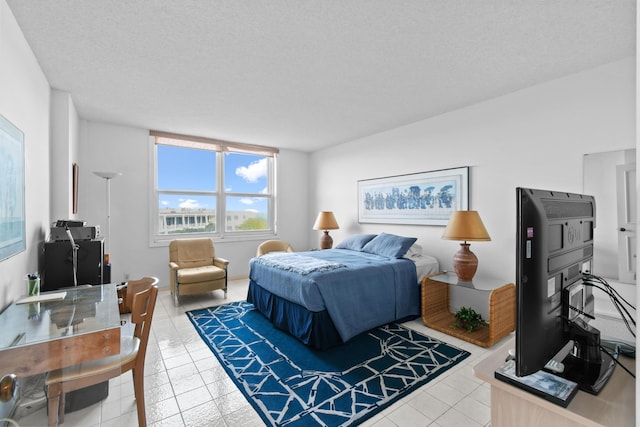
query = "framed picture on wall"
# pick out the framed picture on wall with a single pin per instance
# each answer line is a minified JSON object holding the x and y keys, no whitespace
{"x":426,"y":198}
{"x":12,"y":218}
{"x":74,"y":188}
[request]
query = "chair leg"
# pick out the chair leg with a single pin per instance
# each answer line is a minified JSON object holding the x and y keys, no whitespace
{"x":138,"y":388}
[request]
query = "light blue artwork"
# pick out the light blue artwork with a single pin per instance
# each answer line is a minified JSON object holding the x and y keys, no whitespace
{"x":426,"y":198}
{"x":12,"y":220}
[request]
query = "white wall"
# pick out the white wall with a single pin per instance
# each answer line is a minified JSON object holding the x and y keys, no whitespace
{"x":532,"y":138}
{"x":64,"y":152}
{"x":24,"y":101}
{"x":115,"y":148}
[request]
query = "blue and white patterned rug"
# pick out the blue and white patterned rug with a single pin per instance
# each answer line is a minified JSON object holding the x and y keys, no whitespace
{"x":290,"y":384}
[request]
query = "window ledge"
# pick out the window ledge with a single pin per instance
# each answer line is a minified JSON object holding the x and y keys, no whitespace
{"x":163,"y":242}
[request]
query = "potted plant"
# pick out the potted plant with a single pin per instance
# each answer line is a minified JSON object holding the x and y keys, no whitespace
{"x":468,"y":319}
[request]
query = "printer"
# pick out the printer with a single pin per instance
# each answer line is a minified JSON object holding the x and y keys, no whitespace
{"x":79,"y":230}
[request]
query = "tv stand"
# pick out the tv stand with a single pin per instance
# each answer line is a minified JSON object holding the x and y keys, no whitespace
{"x":588,"y":366}
{"x":575,"y":371}
{"x":510,"y":406}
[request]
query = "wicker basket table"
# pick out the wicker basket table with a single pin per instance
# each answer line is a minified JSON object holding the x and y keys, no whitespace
{"x":437,"y":314}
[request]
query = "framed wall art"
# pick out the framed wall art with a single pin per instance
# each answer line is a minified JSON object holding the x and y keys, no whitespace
{"x":74,"y":188}
{"x":426,"y":198}
{"x":12,"y":218}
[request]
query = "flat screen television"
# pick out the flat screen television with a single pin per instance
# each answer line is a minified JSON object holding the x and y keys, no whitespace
{"x":555,"y":233}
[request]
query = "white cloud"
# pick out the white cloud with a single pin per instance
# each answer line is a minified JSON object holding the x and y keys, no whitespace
{"x":189,"y":203}
{"x":246,"y":201}
{"x":254,"y":171}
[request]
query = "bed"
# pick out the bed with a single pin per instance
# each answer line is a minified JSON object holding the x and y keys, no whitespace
{"x":325,"y":298}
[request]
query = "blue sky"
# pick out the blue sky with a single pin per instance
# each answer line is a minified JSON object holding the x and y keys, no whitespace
{"x":182,"y":168}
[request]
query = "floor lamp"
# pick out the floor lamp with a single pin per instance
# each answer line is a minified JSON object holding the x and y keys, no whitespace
{"x":108,"y":176}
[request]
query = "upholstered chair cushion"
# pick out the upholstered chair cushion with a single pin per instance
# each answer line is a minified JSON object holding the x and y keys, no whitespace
{"x":200,"y":274}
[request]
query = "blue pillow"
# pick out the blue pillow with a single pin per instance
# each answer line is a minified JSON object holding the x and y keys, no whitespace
{"x":355,"y":242}
{"x":389,"y":245}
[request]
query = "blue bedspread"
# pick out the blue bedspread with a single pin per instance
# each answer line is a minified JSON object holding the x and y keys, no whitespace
{"x":369,"y":291}
{"x":297,"y":263}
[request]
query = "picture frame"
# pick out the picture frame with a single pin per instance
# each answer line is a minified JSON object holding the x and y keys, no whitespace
{"x":74,"y":189}
{"x":426,"y":198}
{"x":12,"y":208}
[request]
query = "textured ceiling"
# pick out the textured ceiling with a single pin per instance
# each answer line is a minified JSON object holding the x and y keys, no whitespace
{"x":309,"y":74}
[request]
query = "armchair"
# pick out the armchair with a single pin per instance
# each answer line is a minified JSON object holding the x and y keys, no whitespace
{"x":273,"y":246}
{"x":195,"y":269}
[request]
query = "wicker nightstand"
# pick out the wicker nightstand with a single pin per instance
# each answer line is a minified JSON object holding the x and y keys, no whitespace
{"x":496,"y":304}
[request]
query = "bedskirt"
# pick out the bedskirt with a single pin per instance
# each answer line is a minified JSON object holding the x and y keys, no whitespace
{"x":312,"y":328}
{"x":315,"y":329}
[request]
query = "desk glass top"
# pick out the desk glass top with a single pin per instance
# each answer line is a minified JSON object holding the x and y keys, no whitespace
{"x":83,"y":310}
{"x":477,"y":284}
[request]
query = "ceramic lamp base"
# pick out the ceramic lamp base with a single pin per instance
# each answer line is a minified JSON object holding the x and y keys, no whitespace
{"x":326,"y":242}
{"x":465,"y":263}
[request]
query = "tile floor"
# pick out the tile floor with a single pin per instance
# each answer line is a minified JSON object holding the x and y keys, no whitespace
{"x":186,"y":386}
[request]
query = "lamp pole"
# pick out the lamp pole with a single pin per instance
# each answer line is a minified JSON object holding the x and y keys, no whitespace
{"x":108,"y":176}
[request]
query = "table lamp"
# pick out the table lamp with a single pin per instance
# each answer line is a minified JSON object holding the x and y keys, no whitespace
{"x":465,"y":226}
{"x":326,"y":221}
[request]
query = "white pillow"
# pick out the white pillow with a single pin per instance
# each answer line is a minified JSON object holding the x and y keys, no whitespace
{"x":414,"y":251}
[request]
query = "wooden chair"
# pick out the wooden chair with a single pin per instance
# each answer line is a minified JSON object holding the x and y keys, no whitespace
{"x":131,"y":358}
{"x":131,"y":288}
{"x":195,"y":268}
{"x":273,"y":246}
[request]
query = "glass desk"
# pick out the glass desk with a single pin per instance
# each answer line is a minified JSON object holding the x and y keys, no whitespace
{"x":42,"y":336}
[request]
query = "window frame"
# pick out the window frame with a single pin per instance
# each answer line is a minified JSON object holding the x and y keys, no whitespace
{"x":220,"y":148}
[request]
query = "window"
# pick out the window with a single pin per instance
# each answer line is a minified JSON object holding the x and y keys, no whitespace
{"x":210,"y":187}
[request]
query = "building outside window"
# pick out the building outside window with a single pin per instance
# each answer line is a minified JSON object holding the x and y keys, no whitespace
{"x":206,"y":187}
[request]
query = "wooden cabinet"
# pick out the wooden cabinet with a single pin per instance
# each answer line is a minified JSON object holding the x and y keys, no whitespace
{"x":615,"y":405}
{"x":498,"y":302}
